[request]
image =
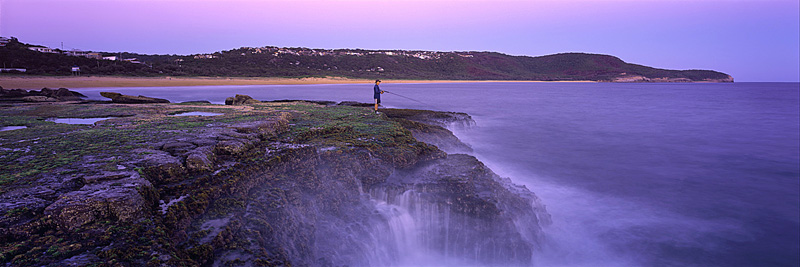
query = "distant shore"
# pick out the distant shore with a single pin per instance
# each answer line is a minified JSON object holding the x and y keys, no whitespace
{"x":38,"y":82}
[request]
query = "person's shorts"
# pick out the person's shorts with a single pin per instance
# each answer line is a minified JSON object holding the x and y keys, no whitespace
{"x":377,"y":99}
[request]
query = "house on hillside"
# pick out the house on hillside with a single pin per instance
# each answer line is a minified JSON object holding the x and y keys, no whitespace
{"x":76,"y":53}
{"x":43,"y":49}
{"x":204,"y":56}
{"x":94,"y":55}
{"x":132,"y":60}
{"x":112,"y":58}
{"x":4,"y":41}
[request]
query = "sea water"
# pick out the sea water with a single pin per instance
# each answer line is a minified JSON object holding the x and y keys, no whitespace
{"x":633,"y":174}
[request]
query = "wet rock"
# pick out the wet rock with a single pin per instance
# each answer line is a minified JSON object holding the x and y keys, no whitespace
{"x":43,"y":95}
{"x":105,"y":176}
{"x":43,"y":192}
{"x":231,"y":147}
{"x":178,"y":148}
{"x":109,"y":195}
{"x":65,"y":94}
{"x":78,"y":208}
{"x":39,"y":99}
{"x":241,"y":100}
{"x":203,"y":142}
{"x":263,"y":128}
{"x":160,"y":166}
{"x":200,"y":159}
{"x":435,"y":135}
{"x":290,"y":202}
{"x":128,"y":99}
{"x":234,"y":135}
{"x":85,"y":259}
{"x":438,"y":118}
{"x":72,"y":184}
{"x":14,"y":209}
{"x":13,"y":92}
{"x":481,"y":207}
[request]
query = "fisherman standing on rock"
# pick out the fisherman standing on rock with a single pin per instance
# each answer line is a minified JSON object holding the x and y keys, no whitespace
{"x":377,"y":94}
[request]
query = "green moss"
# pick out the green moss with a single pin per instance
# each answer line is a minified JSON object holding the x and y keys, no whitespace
{"x":224,"y":206}
{"x":18,"y":211}
{"x":201,"y":253}
{"x":47,"y":148}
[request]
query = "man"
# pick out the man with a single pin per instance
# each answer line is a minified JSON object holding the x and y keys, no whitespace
{"x":377,"y":94}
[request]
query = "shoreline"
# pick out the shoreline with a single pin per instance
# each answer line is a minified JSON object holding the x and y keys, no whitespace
{"x":38,"y":82}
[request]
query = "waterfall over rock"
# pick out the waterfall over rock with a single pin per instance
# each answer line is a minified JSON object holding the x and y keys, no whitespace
{"x":452,"y":211}
{"x":447,"y":212}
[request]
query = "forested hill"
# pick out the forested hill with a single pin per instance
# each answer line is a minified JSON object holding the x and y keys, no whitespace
{"x":355,"y":63}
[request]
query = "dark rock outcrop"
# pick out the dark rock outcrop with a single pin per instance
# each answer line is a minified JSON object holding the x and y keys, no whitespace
{"x":196,"y":102}
{"x":438,"y":118}
{"x":474,"y":204}
{"x":178,"y":148}
{"x":78,"y":208}
{"x":159,"y":166}
{"x":241,"y":100}
{"x":128,"y":99}
{"x":321,"y":186}
{"x":39,"y":98}
{"x":200,"y":159}
{"x":430,"y":127}
{"x":63,"y":94}
{"x":43,"y":95}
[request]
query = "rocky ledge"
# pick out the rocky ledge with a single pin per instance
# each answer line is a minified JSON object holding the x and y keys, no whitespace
{"x":43,"y":95}
{"x":261,"y":184}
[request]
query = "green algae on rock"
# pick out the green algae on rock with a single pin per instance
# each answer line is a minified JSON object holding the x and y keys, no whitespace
{"x":266,"y":184}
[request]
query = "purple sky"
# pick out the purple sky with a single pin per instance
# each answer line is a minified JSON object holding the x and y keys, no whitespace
{"x":753,"y":40}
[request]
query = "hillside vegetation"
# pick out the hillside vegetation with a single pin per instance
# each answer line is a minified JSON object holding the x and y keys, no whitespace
{"x":354,"y":63}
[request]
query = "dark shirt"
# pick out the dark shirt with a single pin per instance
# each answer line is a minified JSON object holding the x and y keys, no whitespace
{"x":377,"y":92}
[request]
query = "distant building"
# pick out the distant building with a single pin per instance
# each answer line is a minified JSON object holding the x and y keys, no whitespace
{"x":4,"y":41}
{"x":204,"y":56}
{"x":43,"y":49}
{"x":76,"y":53}
{"x":132,"y":60}
{"x":113,"y":58}
{"x":86,"y":54}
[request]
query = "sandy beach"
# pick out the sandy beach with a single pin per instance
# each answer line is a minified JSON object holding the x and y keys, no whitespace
{"x":38,"y":82}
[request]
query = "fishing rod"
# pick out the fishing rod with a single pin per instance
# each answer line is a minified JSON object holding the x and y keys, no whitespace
{"x":426,"y":104}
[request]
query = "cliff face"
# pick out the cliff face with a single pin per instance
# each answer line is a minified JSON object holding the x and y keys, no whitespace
{"x":266,"y":184}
